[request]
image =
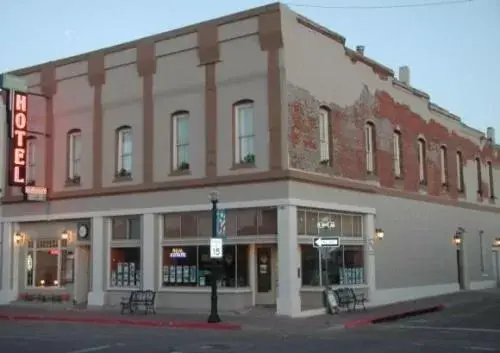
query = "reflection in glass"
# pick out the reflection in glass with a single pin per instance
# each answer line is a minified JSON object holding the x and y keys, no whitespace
{"x":125,"y":266}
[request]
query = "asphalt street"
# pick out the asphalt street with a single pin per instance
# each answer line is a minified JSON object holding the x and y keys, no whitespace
{"x":466,"y":328}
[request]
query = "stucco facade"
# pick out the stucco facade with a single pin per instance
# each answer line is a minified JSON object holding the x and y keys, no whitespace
{"x":206,"y":71}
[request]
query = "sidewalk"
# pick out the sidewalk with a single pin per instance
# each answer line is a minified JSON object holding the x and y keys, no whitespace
{"x":253,"y":320}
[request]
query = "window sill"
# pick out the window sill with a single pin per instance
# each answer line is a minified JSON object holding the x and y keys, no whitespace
{"x":70,"y":183}
{"x":237,"y":166}
{"x":334,"y":286}
{"x":180,"y":172}
{"x":204,"y":290}
{"x":120,"y":179}
{"x":44,"y":288}
{"x":371,"y":176}
{"x":122,"y":289}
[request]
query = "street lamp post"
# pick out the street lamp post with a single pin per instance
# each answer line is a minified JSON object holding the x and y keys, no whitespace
{"x":496,"y":250}
{"x":457,"y":240}
{"x":214,"y":314}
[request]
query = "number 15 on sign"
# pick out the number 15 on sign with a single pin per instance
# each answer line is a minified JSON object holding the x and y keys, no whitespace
{"x":216,"y":248}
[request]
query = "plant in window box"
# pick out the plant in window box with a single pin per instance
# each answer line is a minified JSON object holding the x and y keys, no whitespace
{"x":74,"y":180}
{"x":123,"y":173}
{"x":30,"y":183}
{"x":183,"y":166}
{"x":249,"y":159}
{"x":325,"y":162}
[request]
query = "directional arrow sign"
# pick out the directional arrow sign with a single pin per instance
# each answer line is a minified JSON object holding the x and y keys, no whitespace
{"x":330,"y":242}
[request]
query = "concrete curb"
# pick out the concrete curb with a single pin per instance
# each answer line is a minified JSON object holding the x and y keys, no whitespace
{"x":393,"y":316}
{"x":128,"y":322}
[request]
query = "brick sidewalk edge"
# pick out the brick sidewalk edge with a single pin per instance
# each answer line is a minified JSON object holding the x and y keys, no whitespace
{"x":129,"y":322}
{"x":394,"y":316}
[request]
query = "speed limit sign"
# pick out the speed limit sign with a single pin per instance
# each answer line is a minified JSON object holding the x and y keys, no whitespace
{"x":216,"y":248}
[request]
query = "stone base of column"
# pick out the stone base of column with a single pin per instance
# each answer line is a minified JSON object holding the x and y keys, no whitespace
{"x":95,"y":299}
{"x":7,"y":297}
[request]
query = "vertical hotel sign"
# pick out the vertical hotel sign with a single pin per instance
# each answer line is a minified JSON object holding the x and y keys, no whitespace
{"x":18,"y":106}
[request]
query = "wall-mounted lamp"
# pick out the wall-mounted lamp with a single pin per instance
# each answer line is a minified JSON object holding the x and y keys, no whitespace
{"x":65,"y":235}
{"x":379,"y":234}
{"x":496,"y":243}
{"x":18,"y":238}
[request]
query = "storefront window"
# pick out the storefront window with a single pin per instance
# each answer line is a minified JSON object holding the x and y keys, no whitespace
{"x":346,"y":225}
{"x":125,"y":252}
{"x":46,"y":263}
{"x":239,"y":222}
{"x":190,"y":266}
{"x":126,"y":267}
{"x":338,"y":266}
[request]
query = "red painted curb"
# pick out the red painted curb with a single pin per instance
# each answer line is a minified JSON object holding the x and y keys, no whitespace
{"x":130,"y":322}
{"x":393,"y":317}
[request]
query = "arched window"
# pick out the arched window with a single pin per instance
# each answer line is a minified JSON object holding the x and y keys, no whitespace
{"x":422,"y":161}
{"x":443,"y":158}
{"x":370,"y":147}
{"x":479,"y":177}
{"x":325,"y":139}
{"x":180,"y":141}
{"x":397,"y":153}
{"x":460,"y":172}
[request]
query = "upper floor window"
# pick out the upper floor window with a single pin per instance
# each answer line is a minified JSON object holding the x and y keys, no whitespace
{"x":324,"y":136}
{"x":479,"y":177}
{"x":491,"y":180}
{"x":422,"y":158}
{"x":180,"y":155}
{"x":443,"y":158}
{"x":460,"y":172}
{"x":244,"y":131}
{"x":74,"y":155}
{"x":397,"y":152}
{"x":370,"y":147}
{"x":31,"y":161}
{"x":124,"y":148}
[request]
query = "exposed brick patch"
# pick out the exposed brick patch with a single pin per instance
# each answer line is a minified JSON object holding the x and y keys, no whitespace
{"x":348,"y":143}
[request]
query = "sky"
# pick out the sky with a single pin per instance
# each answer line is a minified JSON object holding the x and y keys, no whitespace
{"x":453,"y":51}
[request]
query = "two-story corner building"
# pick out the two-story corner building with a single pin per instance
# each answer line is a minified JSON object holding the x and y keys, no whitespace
{"x":138,"y":135}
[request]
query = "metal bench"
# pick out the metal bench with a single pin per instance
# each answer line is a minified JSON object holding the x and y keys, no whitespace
{"x":348,"y":299}
{"x":137,"y":299}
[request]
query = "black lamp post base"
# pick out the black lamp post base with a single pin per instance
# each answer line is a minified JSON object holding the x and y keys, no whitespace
{"x":214,"y":318}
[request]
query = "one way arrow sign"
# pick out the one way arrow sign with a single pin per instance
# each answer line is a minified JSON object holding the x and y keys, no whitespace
{"x":331,"y":242}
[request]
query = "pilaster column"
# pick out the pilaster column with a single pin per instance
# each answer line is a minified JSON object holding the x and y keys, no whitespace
{"x":96,"y":296}
{"x":148,"y":253}
{"x":464,"y":263}
{"x":7,"y":249}
{"x":370,"y":269}
{"x":288,"y":291}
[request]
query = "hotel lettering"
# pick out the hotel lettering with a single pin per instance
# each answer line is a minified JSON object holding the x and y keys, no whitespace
{"x":18,"y":138}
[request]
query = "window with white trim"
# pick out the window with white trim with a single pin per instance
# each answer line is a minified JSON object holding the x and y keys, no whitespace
{"x":244,"y":131}
{"x":491,"y":180}
{"x":479,"y":177}
{"x":124,"y":146}
{"x":397,"y":151}
{"x":460,"y":172}
{"x":74,"y":155}
{"x":443,"y":158}
{"x":370,"y":147}
{"x":324,"y":136}
{"x":180,"y":131}
{"x":31,"y":161}
{"x":422,"y":175}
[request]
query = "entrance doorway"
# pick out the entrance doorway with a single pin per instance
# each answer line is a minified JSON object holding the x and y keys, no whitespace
{"x":265,"y":275}
{"x":82,"y":278}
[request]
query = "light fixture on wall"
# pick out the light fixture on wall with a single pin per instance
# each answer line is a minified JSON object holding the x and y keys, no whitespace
{"x":379,"y":234}
{"x":18,"y":238}
{"x":65,"y":235}
{"x":496,"y":243}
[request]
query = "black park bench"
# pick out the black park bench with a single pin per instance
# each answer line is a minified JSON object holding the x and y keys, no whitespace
{"x":138,"y":299}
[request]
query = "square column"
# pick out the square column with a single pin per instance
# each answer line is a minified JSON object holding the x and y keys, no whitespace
{"x":288,"y":296}
{"x":7,"y":257}
{"x":370,"y":270}
{"x":96,"y":296}
{"x":148,"y":253}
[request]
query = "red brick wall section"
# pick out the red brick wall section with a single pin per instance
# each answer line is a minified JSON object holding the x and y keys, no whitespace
{"x":348,"y":142}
